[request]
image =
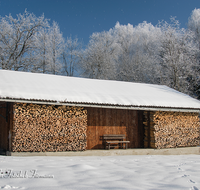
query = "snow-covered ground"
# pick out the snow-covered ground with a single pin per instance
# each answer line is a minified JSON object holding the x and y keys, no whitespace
{"x":92,"y":173}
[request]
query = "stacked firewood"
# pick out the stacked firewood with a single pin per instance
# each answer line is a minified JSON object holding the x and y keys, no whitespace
{"x":48,"y":128}
{"x":176,"y":129}
{"x":171,"y":129}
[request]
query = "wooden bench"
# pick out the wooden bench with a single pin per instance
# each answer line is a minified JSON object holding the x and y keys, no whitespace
{"x":114,"y":141}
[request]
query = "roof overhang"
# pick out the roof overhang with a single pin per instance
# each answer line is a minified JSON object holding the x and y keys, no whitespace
{"x":144,"y":108}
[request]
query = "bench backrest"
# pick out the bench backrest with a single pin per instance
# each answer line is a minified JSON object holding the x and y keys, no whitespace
{"x":113,"y":137}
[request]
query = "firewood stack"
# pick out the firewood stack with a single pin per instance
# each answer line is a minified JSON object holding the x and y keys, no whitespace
{"x":48,"y":128}
{"x":172,"y":129}
{"x":175,"y":129}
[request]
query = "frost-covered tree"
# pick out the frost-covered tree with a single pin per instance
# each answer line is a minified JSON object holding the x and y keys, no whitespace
{"x":178,"y":56}
{"x":49,"y":46}
{"x":137,"y":56}
{"x":71,"y":56}
{"x":42,"y":51}
{"x":56,"y":46}
{"x":29,"y":43}
{"x":124,"y":53}
{"x":99,"y":56}
{"x":124,"y":37}
{"x":17,"y":39}
{"x":194,"y":26}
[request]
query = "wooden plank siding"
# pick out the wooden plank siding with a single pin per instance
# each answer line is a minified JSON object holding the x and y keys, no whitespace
{"x":6,"y":122}
{"x":114,"y":121}
{"x":3,"y":127}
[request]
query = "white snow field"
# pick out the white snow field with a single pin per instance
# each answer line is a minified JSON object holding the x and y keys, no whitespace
{"x":135,"y":172}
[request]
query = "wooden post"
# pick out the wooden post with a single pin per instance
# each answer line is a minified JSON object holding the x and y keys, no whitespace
{"x":148,"y":125}
{"x":10,"y":125}
{"x":140,"y":127}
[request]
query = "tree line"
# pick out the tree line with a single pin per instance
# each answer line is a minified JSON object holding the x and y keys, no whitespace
{"x":163,"y":54}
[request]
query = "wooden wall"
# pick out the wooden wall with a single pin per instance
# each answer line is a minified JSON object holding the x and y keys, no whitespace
{"x":6,"y":110}
{"x":3,"y":127}
{"x":114,"y":121}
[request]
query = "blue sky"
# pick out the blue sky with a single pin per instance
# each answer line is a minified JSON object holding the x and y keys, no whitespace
{"x":83,"y":17}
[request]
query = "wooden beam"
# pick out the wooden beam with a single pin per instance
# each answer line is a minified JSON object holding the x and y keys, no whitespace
{"x":148,"y":126}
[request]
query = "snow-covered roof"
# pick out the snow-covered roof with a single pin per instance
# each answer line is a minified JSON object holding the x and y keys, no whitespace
{"x":45,"y":88}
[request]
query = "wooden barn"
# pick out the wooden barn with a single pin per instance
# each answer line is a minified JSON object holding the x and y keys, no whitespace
{"x":48,"y":113}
